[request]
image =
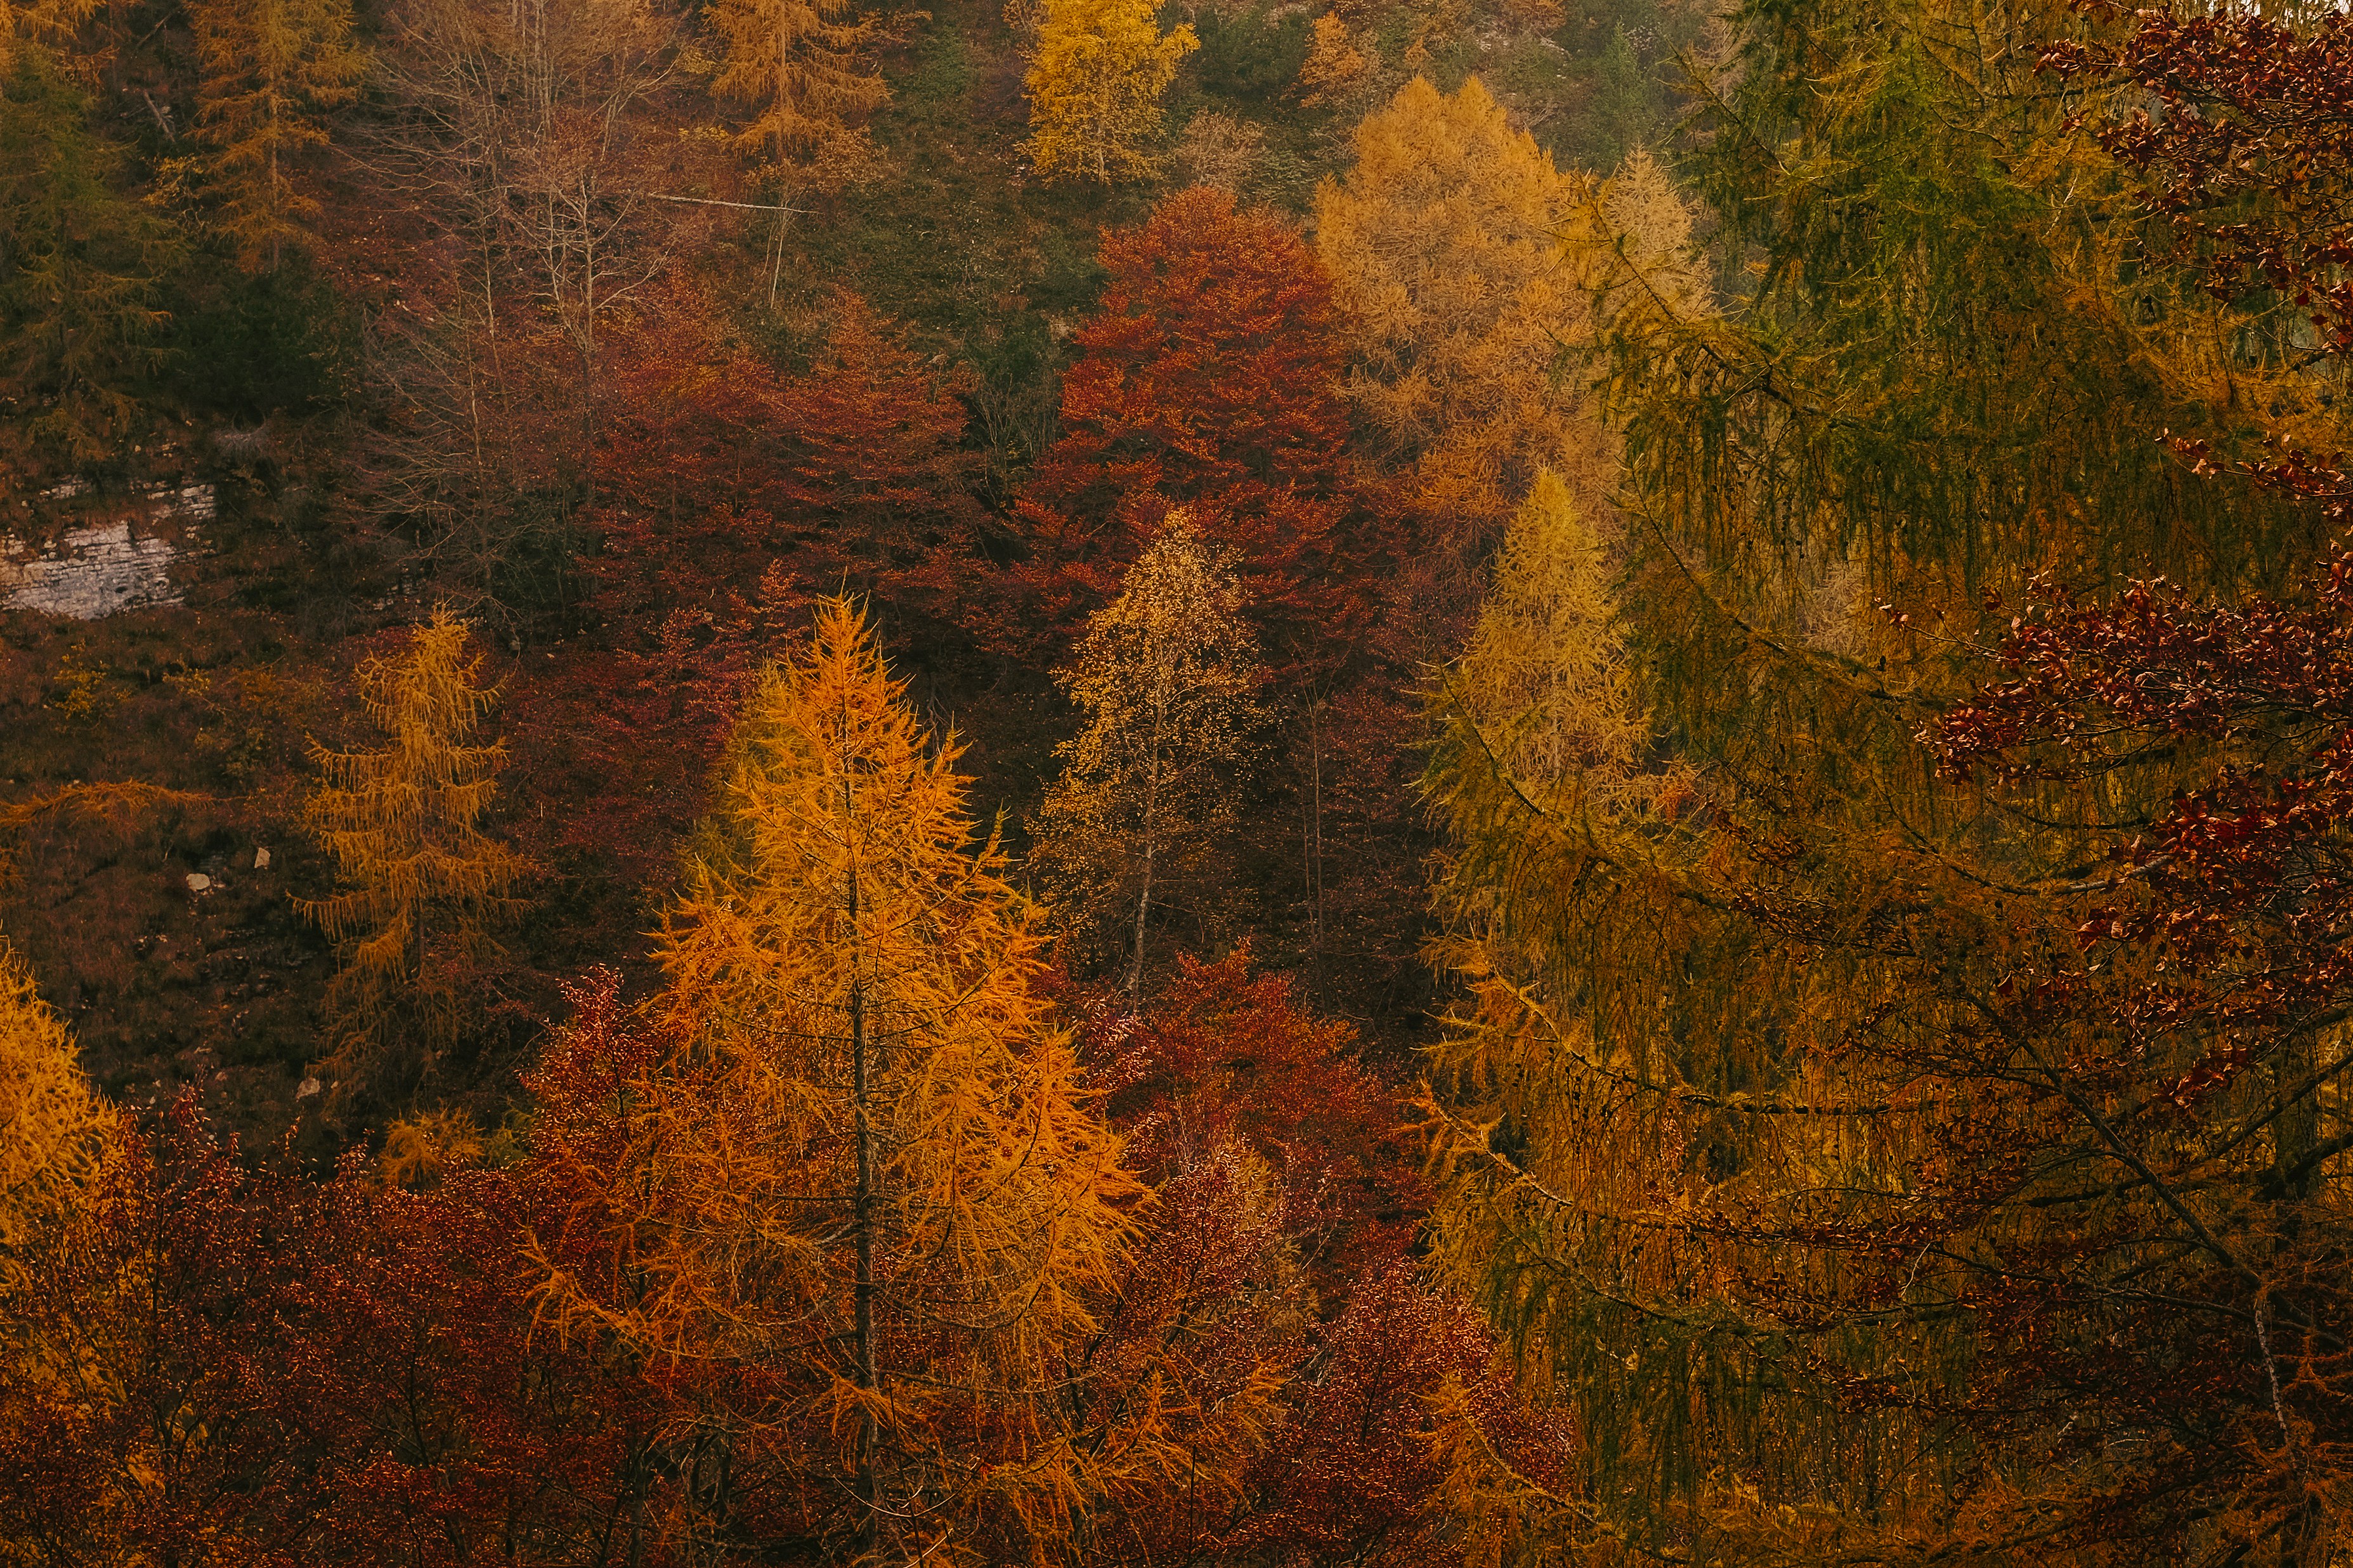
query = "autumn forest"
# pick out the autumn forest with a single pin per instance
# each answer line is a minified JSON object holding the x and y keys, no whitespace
{"x":1531,"y":783}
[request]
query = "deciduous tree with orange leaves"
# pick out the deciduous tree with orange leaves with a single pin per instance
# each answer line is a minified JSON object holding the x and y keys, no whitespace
{"x":863,"y":1198}
{"x":732,"y":493}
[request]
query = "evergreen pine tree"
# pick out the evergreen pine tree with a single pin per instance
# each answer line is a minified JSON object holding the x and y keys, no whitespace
{"x":1622,"y":114}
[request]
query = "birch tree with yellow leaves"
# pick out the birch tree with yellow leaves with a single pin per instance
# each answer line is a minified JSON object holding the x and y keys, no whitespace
{"x":865,"y":1202}
{"x":1168,"y":677}
{"x":1095,"y":82}
{"x":402,"y":822}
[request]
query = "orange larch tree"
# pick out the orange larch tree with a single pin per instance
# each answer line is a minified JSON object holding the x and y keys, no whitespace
{"x":421,"y":881}
{"x":863,"y":1201}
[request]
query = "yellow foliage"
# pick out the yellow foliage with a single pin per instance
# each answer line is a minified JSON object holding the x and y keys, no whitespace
{"x":803,"y":68}
{"x":1335,"y":67}
{"x":867,"y":1166}
{"x":1477,"y":276}
{"x":403,"y":824}
{"x":1540,"y":771}
{"x":417,"y":1150}
{"x":1094,"y":85}
{"x":38,"y":24}
{"x":268,"y":68}
{"x":1647,"y":229}
{"x":1444,"y":243}
{"x":59,"y":1134}
{"x":1167,"y":676}
{"x":1546,"y":677}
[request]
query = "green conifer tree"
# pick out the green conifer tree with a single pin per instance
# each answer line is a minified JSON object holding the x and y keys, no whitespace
{"x":82,"y":317}
{"x":1625,"y":111}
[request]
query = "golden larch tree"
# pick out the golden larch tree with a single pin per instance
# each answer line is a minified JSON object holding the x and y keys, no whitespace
{"x":1647,"y":226}
{"x":1560,"y":815}
{"x":1445,"y":247}
{"x":804,"y":70}
{"x":64,"y":1155}
{"x":864,"y":1187}
{"x":268,"y":70}
{"x":1546,"y":675}
{"x":402,"y":822}
{"x":1094,"y":82}
{"x":58,"y":1134}
{"x":1335,"y":67}
{"x":1168,"y":676}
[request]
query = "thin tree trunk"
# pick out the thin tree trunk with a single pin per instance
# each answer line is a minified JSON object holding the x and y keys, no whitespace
{"x":1314,"y":847}
{"x":862,"y":1219}
{"x":1151,"y":814}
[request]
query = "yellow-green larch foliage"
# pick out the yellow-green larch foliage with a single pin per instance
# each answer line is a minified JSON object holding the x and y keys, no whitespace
{"x":864,"y":1180}
{"x":1335,"y":67}
{"x":1095,"y":82}
{"x":402,"y":822}
{"x":1167,"y":676}
{"x":56,"y":1135}
{"x":804,"y":69}
{"x":1541,"y":762}
{"x":1445,"y":247}
{"x":39,"y":25}
{"x":268,"y":70}
{"x":1647,"y":226}
{"x":1560,"y":817}
{"x":1545,"y":676}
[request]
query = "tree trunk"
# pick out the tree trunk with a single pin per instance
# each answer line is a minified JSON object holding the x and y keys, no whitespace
{"x":1143,"y":901}
{"x":1313,"y":848}
{"x":862,"y":1216}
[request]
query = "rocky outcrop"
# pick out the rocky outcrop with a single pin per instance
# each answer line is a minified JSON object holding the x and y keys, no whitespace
{"x":117,"y":556}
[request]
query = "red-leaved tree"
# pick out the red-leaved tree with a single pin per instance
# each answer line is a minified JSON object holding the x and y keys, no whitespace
{"x":730,"y":495}
{"x":1209,"y":378}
